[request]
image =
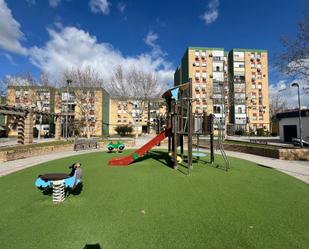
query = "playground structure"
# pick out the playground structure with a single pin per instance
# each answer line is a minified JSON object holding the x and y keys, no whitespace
{"x":185,"y":123}
{"x":24,"y":117}
{"x":119,"y":146}
{"x":181,"y":122}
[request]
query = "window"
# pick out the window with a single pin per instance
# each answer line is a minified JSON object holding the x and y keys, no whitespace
{"x":203,"y":54}
{"x":239,"y":110}
{"x":217,"y":68}
{"x":204,"y":64}
{"x":260,"y":86}
{"x":204,"y":75}
{"x":196,"y":64}
{"x":197,"y":75}
{"x":254,"y":116}
{"x":197,"y":53}
{"x":217,"y":109}
{"x":253,"y":86}
{"x":252,"y":65}
{"x":260,"y":117}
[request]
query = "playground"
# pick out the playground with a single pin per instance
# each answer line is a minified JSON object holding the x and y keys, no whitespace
{"x":149,"y":204}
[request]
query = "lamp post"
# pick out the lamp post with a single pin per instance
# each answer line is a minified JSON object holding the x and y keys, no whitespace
{"x":295,"y":84}
{"x":67,"y":110}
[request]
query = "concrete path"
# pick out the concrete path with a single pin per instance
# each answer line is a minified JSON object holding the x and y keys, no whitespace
{"x":13,"y":166}
{"x":297,"y":169}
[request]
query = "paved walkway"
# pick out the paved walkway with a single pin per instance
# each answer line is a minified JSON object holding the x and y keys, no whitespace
{"x":13,"y":166}
{"x":297,"y":169}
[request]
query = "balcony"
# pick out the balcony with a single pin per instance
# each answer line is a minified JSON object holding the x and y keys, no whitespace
{"x":239,"y":101}
{"x":218,"y":58}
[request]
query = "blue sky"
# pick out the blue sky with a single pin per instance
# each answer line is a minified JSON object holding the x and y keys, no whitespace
{"x":49,"y":35}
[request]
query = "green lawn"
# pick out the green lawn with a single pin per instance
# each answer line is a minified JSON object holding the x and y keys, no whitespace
{"x":149,"y":205}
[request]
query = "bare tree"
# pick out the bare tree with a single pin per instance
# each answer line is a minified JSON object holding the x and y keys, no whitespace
{"x":84,"y":83}
{"x":277,"y":104}
{"x":135,"y":88}
{"x":44,"y":79}
{"x":294,"y":60}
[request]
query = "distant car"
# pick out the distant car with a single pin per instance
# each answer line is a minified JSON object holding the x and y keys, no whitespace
{"x":296,"y":142}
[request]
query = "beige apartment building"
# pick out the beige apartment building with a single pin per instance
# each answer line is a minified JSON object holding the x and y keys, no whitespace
{"x":248,"y":81}
{"x":231,"y":85}
{"x":41,"y":97}
{"x":86,"y":111}
{"x":123,"y":112}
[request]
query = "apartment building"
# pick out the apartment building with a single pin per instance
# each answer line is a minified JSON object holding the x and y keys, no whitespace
{"x":207,"y":68}
{"x":248,"y":82}
{"x":85,"y":109}
{"x":127,"y":112}
{"x":41,"y":97}
{"x":231,"y":85}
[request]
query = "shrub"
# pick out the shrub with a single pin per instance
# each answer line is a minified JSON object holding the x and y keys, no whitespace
{"x":260,"y":132}
{"x":240,"y":132}
{"x":35,"y":132}
{"x":123,"y":130}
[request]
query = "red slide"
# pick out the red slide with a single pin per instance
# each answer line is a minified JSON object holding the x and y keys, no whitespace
{"x":126,"y":160}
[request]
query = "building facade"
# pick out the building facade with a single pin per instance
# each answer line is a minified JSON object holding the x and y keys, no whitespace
{"x":231,"y":85}
{"x":41,"y":97}
{"x":129,"y":112}
{"x":248,"y":82}
{"x":84,"y":111}
{"x":289,"y":125}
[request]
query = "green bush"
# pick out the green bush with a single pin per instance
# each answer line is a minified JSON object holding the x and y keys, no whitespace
{"x":260,"y":132}
{"x":35,"y":132}
{"x":240,"y":132}
{"x":124,"y":130}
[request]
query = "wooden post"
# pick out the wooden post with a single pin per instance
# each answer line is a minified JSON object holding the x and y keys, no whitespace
{"x":175,"y":130}
{"x":57,"y":128}
{"x":190,"y":128}
{"x":212,"y":157}
{"x":20,"y":130}
{"x":181,"y":123}
{"x":28,"y":130}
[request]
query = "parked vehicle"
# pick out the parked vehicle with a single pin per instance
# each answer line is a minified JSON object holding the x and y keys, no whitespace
{"x":296,"y":142}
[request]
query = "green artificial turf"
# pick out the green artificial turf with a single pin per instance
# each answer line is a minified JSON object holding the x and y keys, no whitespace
{"x":150,"y":205}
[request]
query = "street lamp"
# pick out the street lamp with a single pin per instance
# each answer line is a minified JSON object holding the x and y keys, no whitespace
{"x":67,"y":109}
{"x":295,"y":84}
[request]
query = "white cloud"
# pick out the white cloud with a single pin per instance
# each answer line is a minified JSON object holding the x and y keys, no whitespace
{"x":10,"y":33}
{"x":283,"y":88}
{"x":10,"y":58}
{"x":212,"y":13}
{"x":151,"y":40}
{"x":121,"y":7}
{"x":98,"y":6}
{"x":54,"y":3}
{"x":72,"y":48}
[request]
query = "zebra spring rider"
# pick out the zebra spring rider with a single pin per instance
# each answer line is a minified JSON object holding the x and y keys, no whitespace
{"x":60,"y":182}
{"x":58,"y":191}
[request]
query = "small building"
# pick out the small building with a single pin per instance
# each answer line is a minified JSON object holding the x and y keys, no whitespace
{"x":289,"y":125}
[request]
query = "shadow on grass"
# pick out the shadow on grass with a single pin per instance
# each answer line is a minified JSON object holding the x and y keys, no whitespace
{"x":76,"y":191}
{"x":92,"y":246}
{"x":159,"y":156}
